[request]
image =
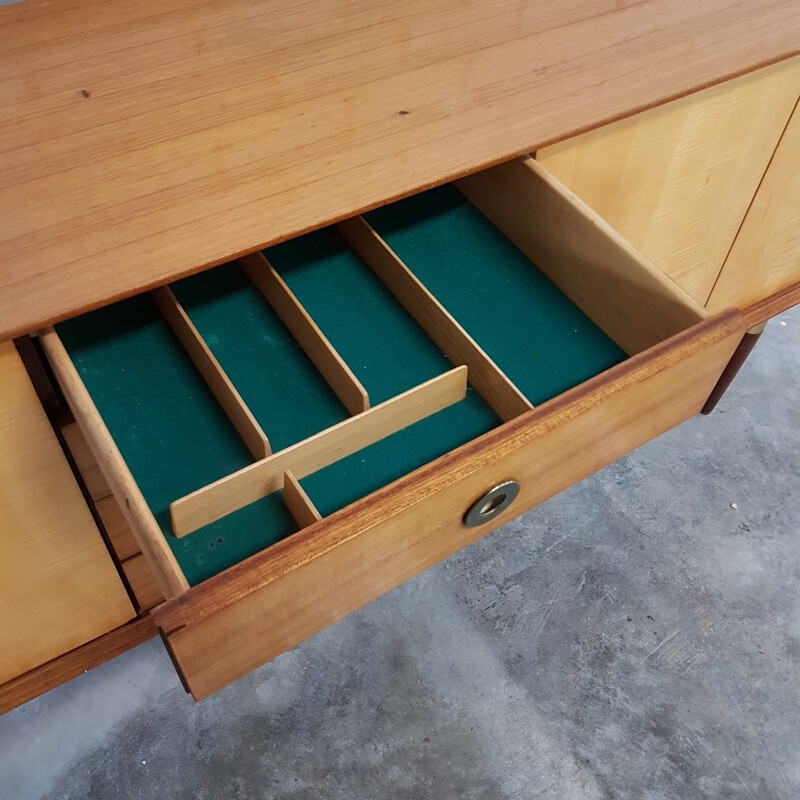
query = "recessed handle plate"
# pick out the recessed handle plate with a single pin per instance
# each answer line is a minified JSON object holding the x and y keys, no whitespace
{"x":491,"y":503}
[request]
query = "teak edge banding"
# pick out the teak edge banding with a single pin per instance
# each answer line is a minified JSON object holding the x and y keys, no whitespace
{"x":53,"y":673}
{"x":262,"y":568}
{"x":776,"y":303}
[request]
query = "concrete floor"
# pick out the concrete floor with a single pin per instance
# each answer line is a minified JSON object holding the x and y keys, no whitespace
{"x":636,"y":637}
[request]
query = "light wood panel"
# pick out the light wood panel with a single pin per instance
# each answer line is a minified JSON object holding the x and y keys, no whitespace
{"x":307,"y":333}
{"x":146,"y":141}
{"x":459,"y":347}
{"x":58,"y":583}
{"x":258,"y":480}
{"x":142,"y":582}
{"x":119,"y":532}
{"x":676,"y":181}
{"x":64,"y":668}
{"x":215,"y":377}
{"x":161,"y":560}
{"x":298,"y":502}
{"x":615,"y":286}
{"x":765,"y":258}
{"x":310,"y":580}
{"x":93,"y":479}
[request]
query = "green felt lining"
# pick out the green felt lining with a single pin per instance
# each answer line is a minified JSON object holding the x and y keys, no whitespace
{"x":388,"y":352}
{"x":169,"y":429}
{"x":377,"y":338}
{"x":275,"y":378}
{"x":175,"y":438}
{"x":535,"y":334}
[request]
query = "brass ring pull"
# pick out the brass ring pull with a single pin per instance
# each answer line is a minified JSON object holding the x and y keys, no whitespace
{"x":492,"y":503}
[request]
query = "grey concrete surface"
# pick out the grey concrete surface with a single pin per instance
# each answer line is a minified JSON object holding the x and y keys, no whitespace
{"x":637,"y":636}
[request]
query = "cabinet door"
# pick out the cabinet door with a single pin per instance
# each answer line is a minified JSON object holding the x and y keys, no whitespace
{"x":58,"y":585}
{"x":676,"y":181}
{"x":766,"y":254}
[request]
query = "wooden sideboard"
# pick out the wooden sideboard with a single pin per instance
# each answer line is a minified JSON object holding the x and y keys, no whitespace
{"x":147,"y":142}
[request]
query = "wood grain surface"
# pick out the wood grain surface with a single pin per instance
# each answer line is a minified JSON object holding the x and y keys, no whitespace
{"x":142,"y":141}
{"x":624,"y":294}
{"x":765,"y":257}
{"x":676,"y":181}
{"x":163,"y":564}
{"x":59,"y":585}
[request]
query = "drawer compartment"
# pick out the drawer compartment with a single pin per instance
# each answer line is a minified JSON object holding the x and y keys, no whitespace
{"x":294,"y":434}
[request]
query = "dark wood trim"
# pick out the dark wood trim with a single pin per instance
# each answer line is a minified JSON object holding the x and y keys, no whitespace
{"x":62,"y":669}
{"x":778,"y":302}
{"x":738,"y":358}
{"x":756,"y":316}
{"x":51,"y":399}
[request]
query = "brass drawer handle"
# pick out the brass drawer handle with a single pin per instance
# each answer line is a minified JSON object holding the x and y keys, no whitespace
{"x":492,"y":503}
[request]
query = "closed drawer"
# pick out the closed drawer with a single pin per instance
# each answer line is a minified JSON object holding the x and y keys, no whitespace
{"x":293,"y":435}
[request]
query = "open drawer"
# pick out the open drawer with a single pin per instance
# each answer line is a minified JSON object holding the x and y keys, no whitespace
{"x":292,"y":435}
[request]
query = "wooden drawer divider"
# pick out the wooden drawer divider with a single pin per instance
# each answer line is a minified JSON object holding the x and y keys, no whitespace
{"x":294,"y":316}
{"x":590,"y":262}
{"x":300,"y":505}
{"x":212,"y":372}
{"x":258,"y":480}
{"x":505,"y":399}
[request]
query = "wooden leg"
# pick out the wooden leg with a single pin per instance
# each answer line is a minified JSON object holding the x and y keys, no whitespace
{"x":734,"y":365}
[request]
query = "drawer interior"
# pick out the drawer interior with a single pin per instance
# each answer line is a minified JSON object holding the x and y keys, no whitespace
{"x":542,"y":341}
{"x":339,"y":361}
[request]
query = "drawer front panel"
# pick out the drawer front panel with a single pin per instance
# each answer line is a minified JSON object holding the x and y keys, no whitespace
{"x":222,"y":629}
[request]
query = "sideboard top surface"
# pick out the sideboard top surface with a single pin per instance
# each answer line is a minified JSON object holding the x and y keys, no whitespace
{"x":145,"y":140}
